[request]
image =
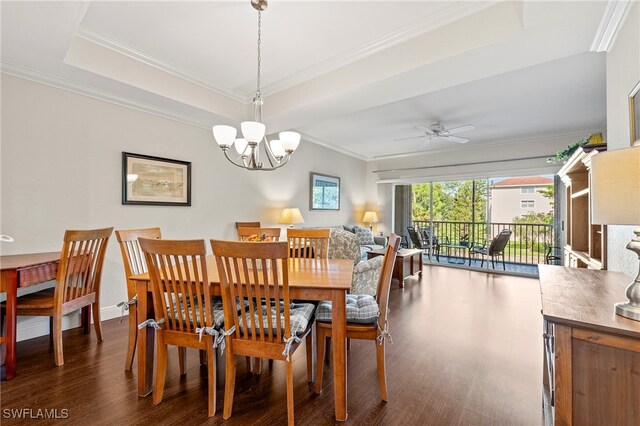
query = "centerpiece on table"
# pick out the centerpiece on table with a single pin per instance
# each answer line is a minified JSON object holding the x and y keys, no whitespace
{"x":256,"y":238}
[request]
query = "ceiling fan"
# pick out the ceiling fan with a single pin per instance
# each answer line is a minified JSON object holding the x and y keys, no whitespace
{"x":438,"y":131}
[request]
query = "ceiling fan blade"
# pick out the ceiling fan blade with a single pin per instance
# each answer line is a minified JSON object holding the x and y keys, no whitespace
{"x":459,"y":129}
{"x":456,"y":139}
{"x":410,"y":137}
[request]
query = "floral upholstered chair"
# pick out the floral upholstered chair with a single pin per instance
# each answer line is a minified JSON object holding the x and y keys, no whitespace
{"x":345,"y":245}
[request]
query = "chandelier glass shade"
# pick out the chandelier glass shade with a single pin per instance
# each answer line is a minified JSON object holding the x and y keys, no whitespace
{"x":247,"y":147}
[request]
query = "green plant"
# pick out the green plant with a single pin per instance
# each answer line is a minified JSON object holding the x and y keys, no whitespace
{"x":563,"y":155}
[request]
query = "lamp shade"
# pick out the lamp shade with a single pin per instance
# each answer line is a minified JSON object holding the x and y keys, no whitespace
{"x":291,"y":216}
{"x":277,"y":149}
{"x":224,"y":135}
{"x":370,"y":217}
{"x":241,"y":145}
{"x":615,"y":187}
{"x":252,"y":131}
{"x":290,"y":140}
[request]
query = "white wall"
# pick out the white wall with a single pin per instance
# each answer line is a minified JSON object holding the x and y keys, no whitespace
{"x":61,"y":169}
{"x":623,"y":73}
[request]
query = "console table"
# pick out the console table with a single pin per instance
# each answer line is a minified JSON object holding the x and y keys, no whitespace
{"x":22,"y":270}
{"x":591,"y":355}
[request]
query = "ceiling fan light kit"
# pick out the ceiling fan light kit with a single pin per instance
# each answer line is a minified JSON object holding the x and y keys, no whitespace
{"x":277,"y":151}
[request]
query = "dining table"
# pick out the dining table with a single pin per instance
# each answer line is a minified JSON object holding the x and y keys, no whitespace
{"x":309,"y":279}
{"x":19,"y":271}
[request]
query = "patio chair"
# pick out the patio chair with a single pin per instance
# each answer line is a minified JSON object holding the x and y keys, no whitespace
{"x":430,"y":239}
{"x":418,"y":243}
{"x":496,"y":248}
{"x":553,"y":255}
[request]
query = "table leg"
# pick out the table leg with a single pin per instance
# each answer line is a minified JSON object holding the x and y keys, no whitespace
{"x":10,"y":338}
{"x":146,"y":340}
{"x":339,"y":337}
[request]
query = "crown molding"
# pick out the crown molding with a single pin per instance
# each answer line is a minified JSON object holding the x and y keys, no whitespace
{"x":332,"y":147}
{"x":615,"y":13}
{"x":130,"y":51}
{"x":421,"y":26}
{"x":57,"y":82}
{"x":80,"y":89}
{"x":486,"y":145}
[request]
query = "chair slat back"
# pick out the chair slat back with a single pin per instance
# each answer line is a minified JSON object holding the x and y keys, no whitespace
{"x":308,"y":243}
{"x":271,"y":234}
{"x":132,"y":256}
{"x":180,"y":283}
{"x":384,"y":282}
{"x":415,"y":237}
{"x":499,"y":243}
{"x":247,"y":224}
{"x":81,"y":263}
{"x":241,"y":280}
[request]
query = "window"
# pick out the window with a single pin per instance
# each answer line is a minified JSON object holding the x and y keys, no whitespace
{"x":527,"y":204}
{"x":527,"y":190}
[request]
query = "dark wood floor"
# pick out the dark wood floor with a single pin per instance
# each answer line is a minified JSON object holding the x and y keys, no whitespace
{"x":466,"y":350}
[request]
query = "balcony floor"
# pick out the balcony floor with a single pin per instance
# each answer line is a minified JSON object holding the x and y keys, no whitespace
{"x":520,"y":268}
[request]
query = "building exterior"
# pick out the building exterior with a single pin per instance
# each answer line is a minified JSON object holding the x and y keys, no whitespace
{"x":518,"y":196}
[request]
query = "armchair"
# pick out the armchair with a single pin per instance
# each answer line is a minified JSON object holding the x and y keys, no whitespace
{"x":345,"y":245}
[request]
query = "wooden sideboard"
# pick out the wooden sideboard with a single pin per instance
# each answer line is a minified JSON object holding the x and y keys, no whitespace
{"x":591,"y":355}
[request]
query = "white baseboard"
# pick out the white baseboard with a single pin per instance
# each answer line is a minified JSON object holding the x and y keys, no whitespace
{"x":30,"y":327}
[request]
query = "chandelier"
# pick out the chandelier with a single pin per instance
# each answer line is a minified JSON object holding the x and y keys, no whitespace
{"x":247,"y":147}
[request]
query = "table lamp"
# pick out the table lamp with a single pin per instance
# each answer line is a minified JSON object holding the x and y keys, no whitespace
{"x":615,"y":200}
{"x":371,"y":217}
{"x":291,"y":216}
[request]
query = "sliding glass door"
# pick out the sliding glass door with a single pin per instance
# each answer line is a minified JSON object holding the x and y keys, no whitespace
{"x":498,"y":223}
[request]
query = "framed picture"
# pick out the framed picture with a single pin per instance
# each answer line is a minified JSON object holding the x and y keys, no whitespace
{"x":155,"y":181}
{"x":324,"y":193}
{"x":634,"y":114}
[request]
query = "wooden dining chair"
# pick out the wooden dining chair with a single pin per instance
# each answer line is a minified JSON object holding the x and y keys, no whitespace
{"x":308,"y":243}
{"x":134,"y":264}
{"x":366,"y":319}
{"x":247,"y":224}
{"x":274,"y":327}
{"x":270,"y":234}
{"x":183,"y":306}
{"x":77,"y":285}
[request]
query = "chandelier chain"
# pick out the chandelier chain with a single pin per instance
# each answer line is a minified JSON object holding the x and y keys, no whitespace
{"x":258,"y":94}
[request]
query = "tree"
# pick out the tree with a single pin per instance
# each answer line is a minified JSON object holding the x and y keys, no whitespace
{"x":531,"y":234}
{"x":548,"y":192}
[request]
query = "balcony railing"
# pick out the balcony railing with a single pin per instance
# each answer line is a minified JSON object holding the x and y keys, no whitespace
{"x":528,"y":243}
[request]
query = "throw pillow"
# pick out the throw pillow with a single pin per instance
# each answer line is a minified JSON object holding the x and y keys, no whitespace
{"x":365,"y":236}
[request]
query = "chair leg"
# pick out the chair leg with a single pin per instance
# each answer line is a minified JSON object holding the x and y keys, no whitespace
{"x":482,"y":263}
{"x":320,"y":350}
{"x":229,"y":383}
{"x":503,"y":265}
{"x":85,"y":319}
{"x":182,"y":355}
{"x":309,"y":349}
{"x":257,"y":365}
{"x":327,"y":348}
{"x":97,"y":324}
{"x":249,"y":364}
{"x":211,"y":377}
{"x":493,"y":262}
{"x":203,"y":356}
{"x":290,"y":393}
{"x":50,"y":329}
{"x":382,"y":370}
{"x":161,"y":368}
{"x":133,"y":337}
{"x":57,"y":339}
